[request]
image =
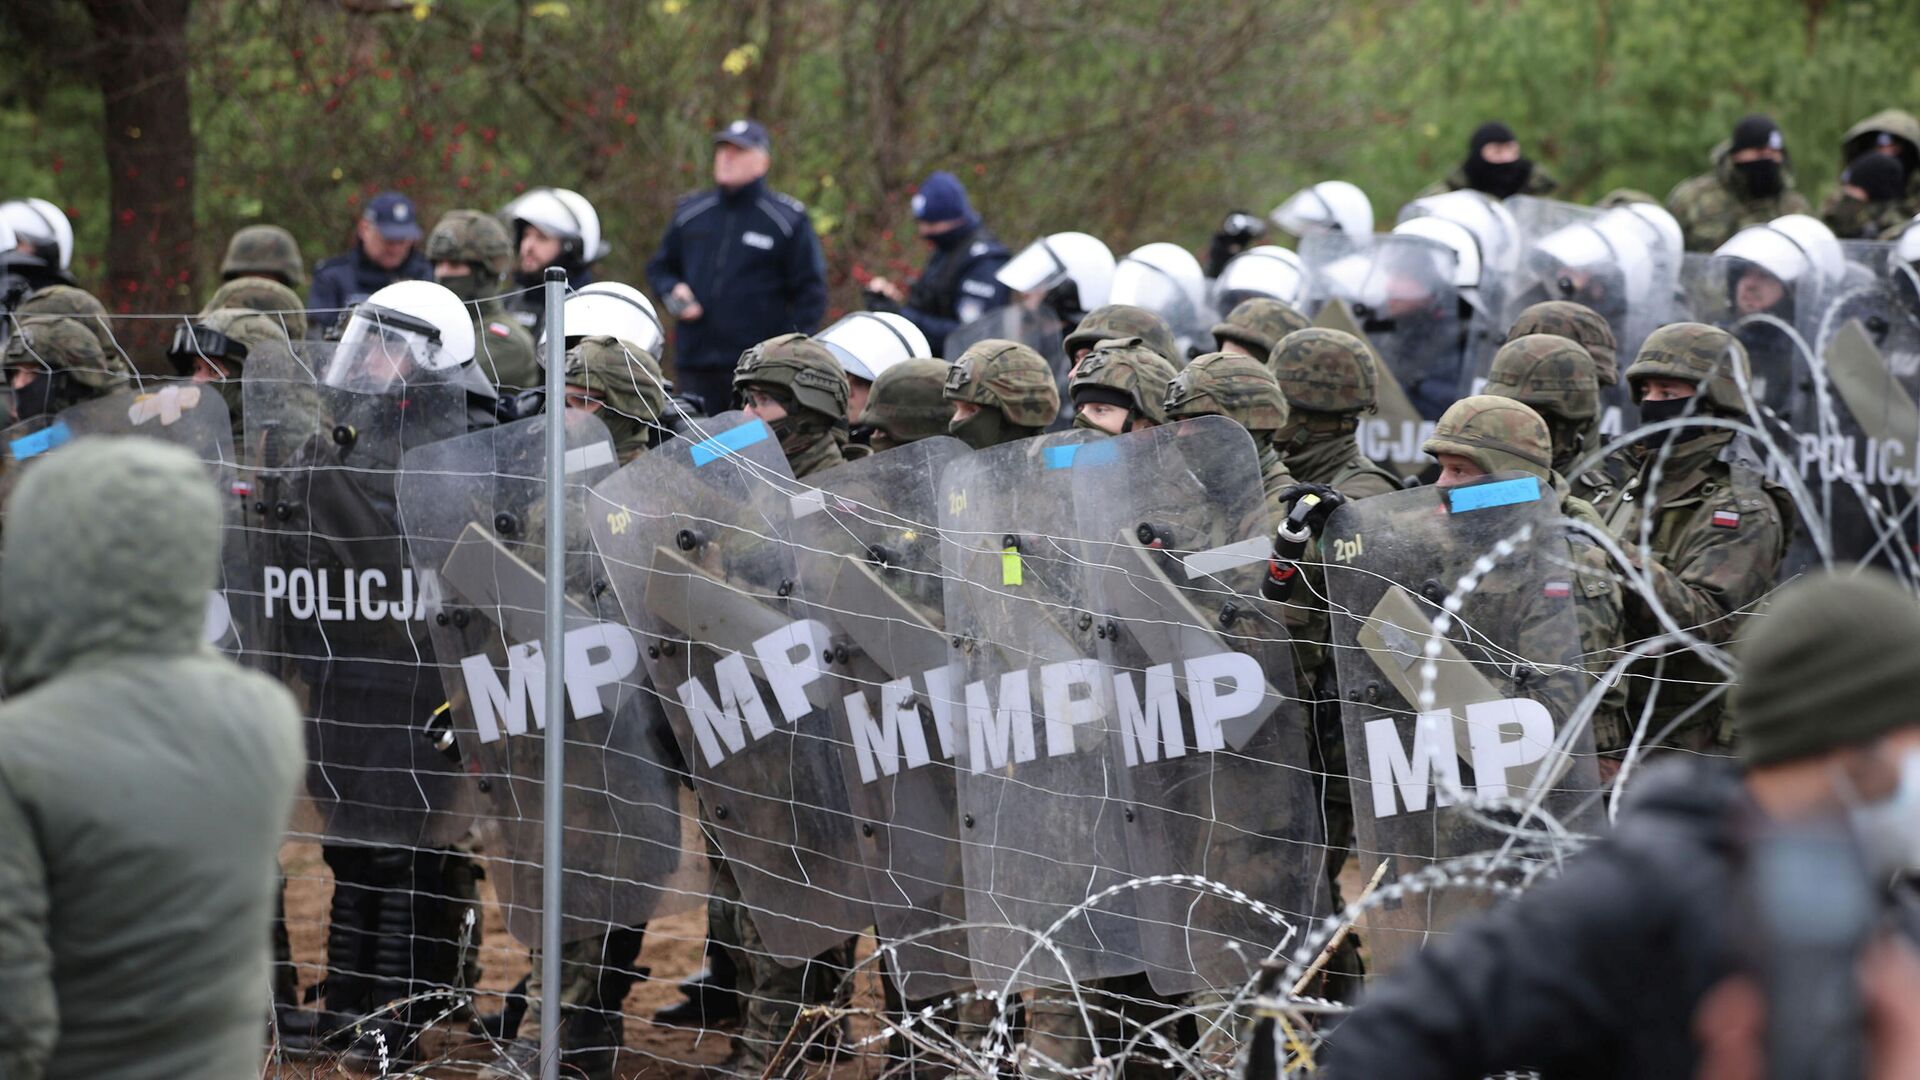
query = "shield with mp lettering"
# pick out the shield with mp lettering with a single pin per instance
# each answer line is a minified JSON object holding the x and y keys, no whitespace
{"x":1464,"y":697}
{"x":696,"y":536}
{"x":475,"y":514}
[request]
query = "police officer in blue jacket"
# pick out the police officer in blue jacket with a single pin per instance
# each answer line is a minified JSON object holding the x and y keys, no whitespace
{"x":958,"y":284}
{"x":386,"y":249}
{"x":738,"y":265}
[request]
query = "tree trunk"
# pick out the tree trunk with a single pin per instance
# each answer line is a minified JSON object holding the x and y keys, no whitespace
{"x":141,"y":66}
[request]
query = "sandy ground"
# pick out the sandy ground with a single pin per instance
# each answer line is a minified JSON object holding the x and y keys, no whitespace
{"x":673,"y":951}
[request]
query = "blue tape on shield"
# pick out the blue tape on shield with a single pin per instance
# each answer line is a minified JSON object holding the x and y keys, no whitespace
{"x":731,"y":441}
{"x":1086,"y":453}
{"x":1523,"y":489}
{"x":48,"y":438}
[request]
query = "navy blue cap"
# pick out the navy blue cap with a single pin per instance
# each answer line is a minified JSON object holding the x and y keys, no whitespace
{"x":392,"y":213}
{"x":941,"y":198}
{"x":746,"y":134}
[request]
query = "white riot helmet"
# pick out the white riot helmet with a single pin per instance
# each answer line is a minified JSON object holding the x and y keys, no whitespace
{"x":1637,"y":247}
{"x":44,"y":226}
{"x":562,"y":213}
{"x":867,"y":343}
{"x":407,"y":331}
{"x":1907,"y":248}
{"x":1797,"y":249}
{"x":611,"y":309}
{"x":1328,"y":206}
{"x":1269,"y":271}
{"x":1466,"y":263}
{"x":1050,"y":262}
{"x":1491,"y":224}
{"x":1163,"y":278}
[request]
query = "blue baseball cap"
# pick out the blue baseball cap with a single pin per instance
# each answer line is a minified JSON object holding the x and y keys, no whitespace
{"x":746,"y":134}
{"x":941,"y":198}
{"x":392,"y":213}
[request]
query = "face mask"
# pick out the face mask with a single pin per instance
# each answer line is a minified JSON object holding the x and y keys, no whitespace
{"x":35,"y":398}
{"x":1653,"y":412}
{"x":1499,"y":181}
{"x":1889,"y":830}
{"x":230,"y":391}
{"x":467,"y":287}
{"x":980,"y":431}
{"x":1763,"y":177}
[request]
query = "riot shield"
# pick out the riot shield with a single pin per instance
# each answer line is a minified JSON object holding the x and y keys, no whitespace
{"x":1411,"y":313}
{"x":1336,"y":265}
{"x":1042,"y":832}
{"x":1394,"y":433}
{"x":474,"y":513}
{"x":187,"y":415}
{"x":1264,"y":271}
{"x":341,"y":614}
{"x":1038,"y":327}
{"x":1212,"y":734}
{"x":696,"y":540}
{"x":1456,"y":723}
{"x":869,"y":569}
{"x":1535,"y":218}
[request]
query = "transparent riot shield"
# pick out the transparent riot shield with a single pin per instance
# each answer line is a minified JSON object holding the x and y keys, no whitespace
{"x":1393,"y":434}
{"x":868,"y":554}
{"x":1037,"y":326}
{"x":1042,"y":829}
{"x":1535,"y":218}
{"x":474,"y":513}
{"x":1459,"y":740}
{"x":1765,"y":319}
{"x":1410,"y":311}
{"x":342,"y":616}
{"x":187,"y":415}
{"x":696,"y":538}
{"x":1336,"y":265}
{"x":1210,"y":731}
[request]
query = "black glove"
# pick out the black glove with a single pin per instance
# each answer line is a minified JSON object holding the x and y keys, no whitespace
{"x":878,"y":301}
{"x":1236,"y":234}
{"x":1314,"y":516}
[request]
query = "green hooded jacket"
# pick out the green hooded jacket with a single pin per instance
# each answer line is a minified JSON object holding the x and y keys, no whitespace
{"x":145,"y":781}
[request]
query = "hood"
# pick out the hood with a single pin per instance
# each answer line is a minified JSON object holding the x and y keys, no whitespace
{"x":112,"y":547}
{"x":1898,"y":123}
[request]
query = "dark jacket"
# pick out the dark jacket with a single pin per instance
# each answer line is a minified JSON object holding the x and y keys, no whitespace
{"x":752,"y":261}
{"x":345,"y":280}
{"x":958,"y":284}
{"x":1594,"y":974}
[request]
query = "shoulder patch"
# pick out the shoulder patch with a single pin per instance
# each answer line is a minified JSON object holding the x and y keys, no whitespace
{"x":979,"y":248}
{"x":790,"y":202}
{"x":694,"y":205}
{"x":499,"y":329}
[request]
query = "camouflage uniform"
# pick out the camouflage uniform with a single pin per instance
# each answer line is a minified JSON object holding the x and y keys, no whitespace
{"x":1554,"y":377}
{"x":1900,"y":126}
{"x":1241,"y":389}
{"x":1012,"y":385}
{"x":503,"y":347}
{"x":1585,"y":327}
{"x":1257,"y":325}
{"x":1329,"y":379}
{"x":632,"y":393}
{"x":1123,"y":321}
{"x":802,"y":375}
{"x":255,"y":331}
{"x":907,"y":403}
{"x":80,"y":305}
{"x":1126,"y":372}
{"x":261,"y":294}
{"x":265,"y":251}
{"x":1713,"y":206}
{"x":1503,"y":435}
{"x":1716,"y":540}
{"x":67,"y":350}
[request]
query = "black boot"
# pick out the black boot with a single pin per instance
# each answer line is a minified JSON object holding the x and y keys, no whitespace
{"x":712,"y":997}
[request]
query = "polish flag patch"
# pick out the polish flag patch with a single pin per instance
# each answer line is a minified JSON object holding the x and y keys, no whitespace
{"x":498,"y":329}
{"x":1726,"y":519}
{"x":1557,"y":590}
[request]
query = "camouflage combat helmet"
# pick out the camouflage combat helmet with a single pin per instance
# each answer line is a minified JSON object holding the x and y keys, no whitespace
{"x":1625,"y":196}
{"x":798,"y":370}
{"x":1326,"y":371}
{"x":1549,"y":373}
{"x":908,"y":403}
{"x":1258,"y":324}
{"x":1125,"y":321}
{"x":627,"y":380}
{"x":1706,"y":356}
{"x":1230,"y":385}
{"x":1126,"y":372}
{"x":58,"y":343}
{"x":1577,"y":323}
{"x":1498,"y":434}
{"x":260,"y":294}
{"x":472,"y":237}
{"x":77,"y":304}
{"x":255,"y":330}
{"x":265,"y":250}
{"x":1007,"y":377}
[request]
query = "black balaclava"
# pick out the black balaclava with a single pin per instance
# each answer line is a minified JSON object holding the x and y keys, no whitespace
{"x":1764,"y":178}
{"x":1499,"y":180}
{"x":1880,"y":175}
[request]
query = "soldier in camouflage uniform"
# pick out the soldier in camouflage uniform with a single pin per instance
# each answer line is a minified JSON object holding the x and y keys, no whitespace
{"x":1254,"y":327}
{"x":260,"y":294}
{"x":1240,"y":388}
{"x":265,"y":251}
{"x":214,"y":349}
{"x":78,"y":304}
{"x":1329,"y":379}
{"x":1870,"y":199}
{"x":1896,"y":133}
{"x":1553,"y":376}
{"x":794,"y":384}
{"x":55,"y":361}
{"x":1122,"y":321}
{"x":470,"y":253}
{"x":1716,"y":535}
{"x":619,"y":382}
{"x":907,"y":403}
{"x":1119,"y":386}
{"x":1751,"y":184}
{"x":1000,"y":391}
{"x":1584,"y":327}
